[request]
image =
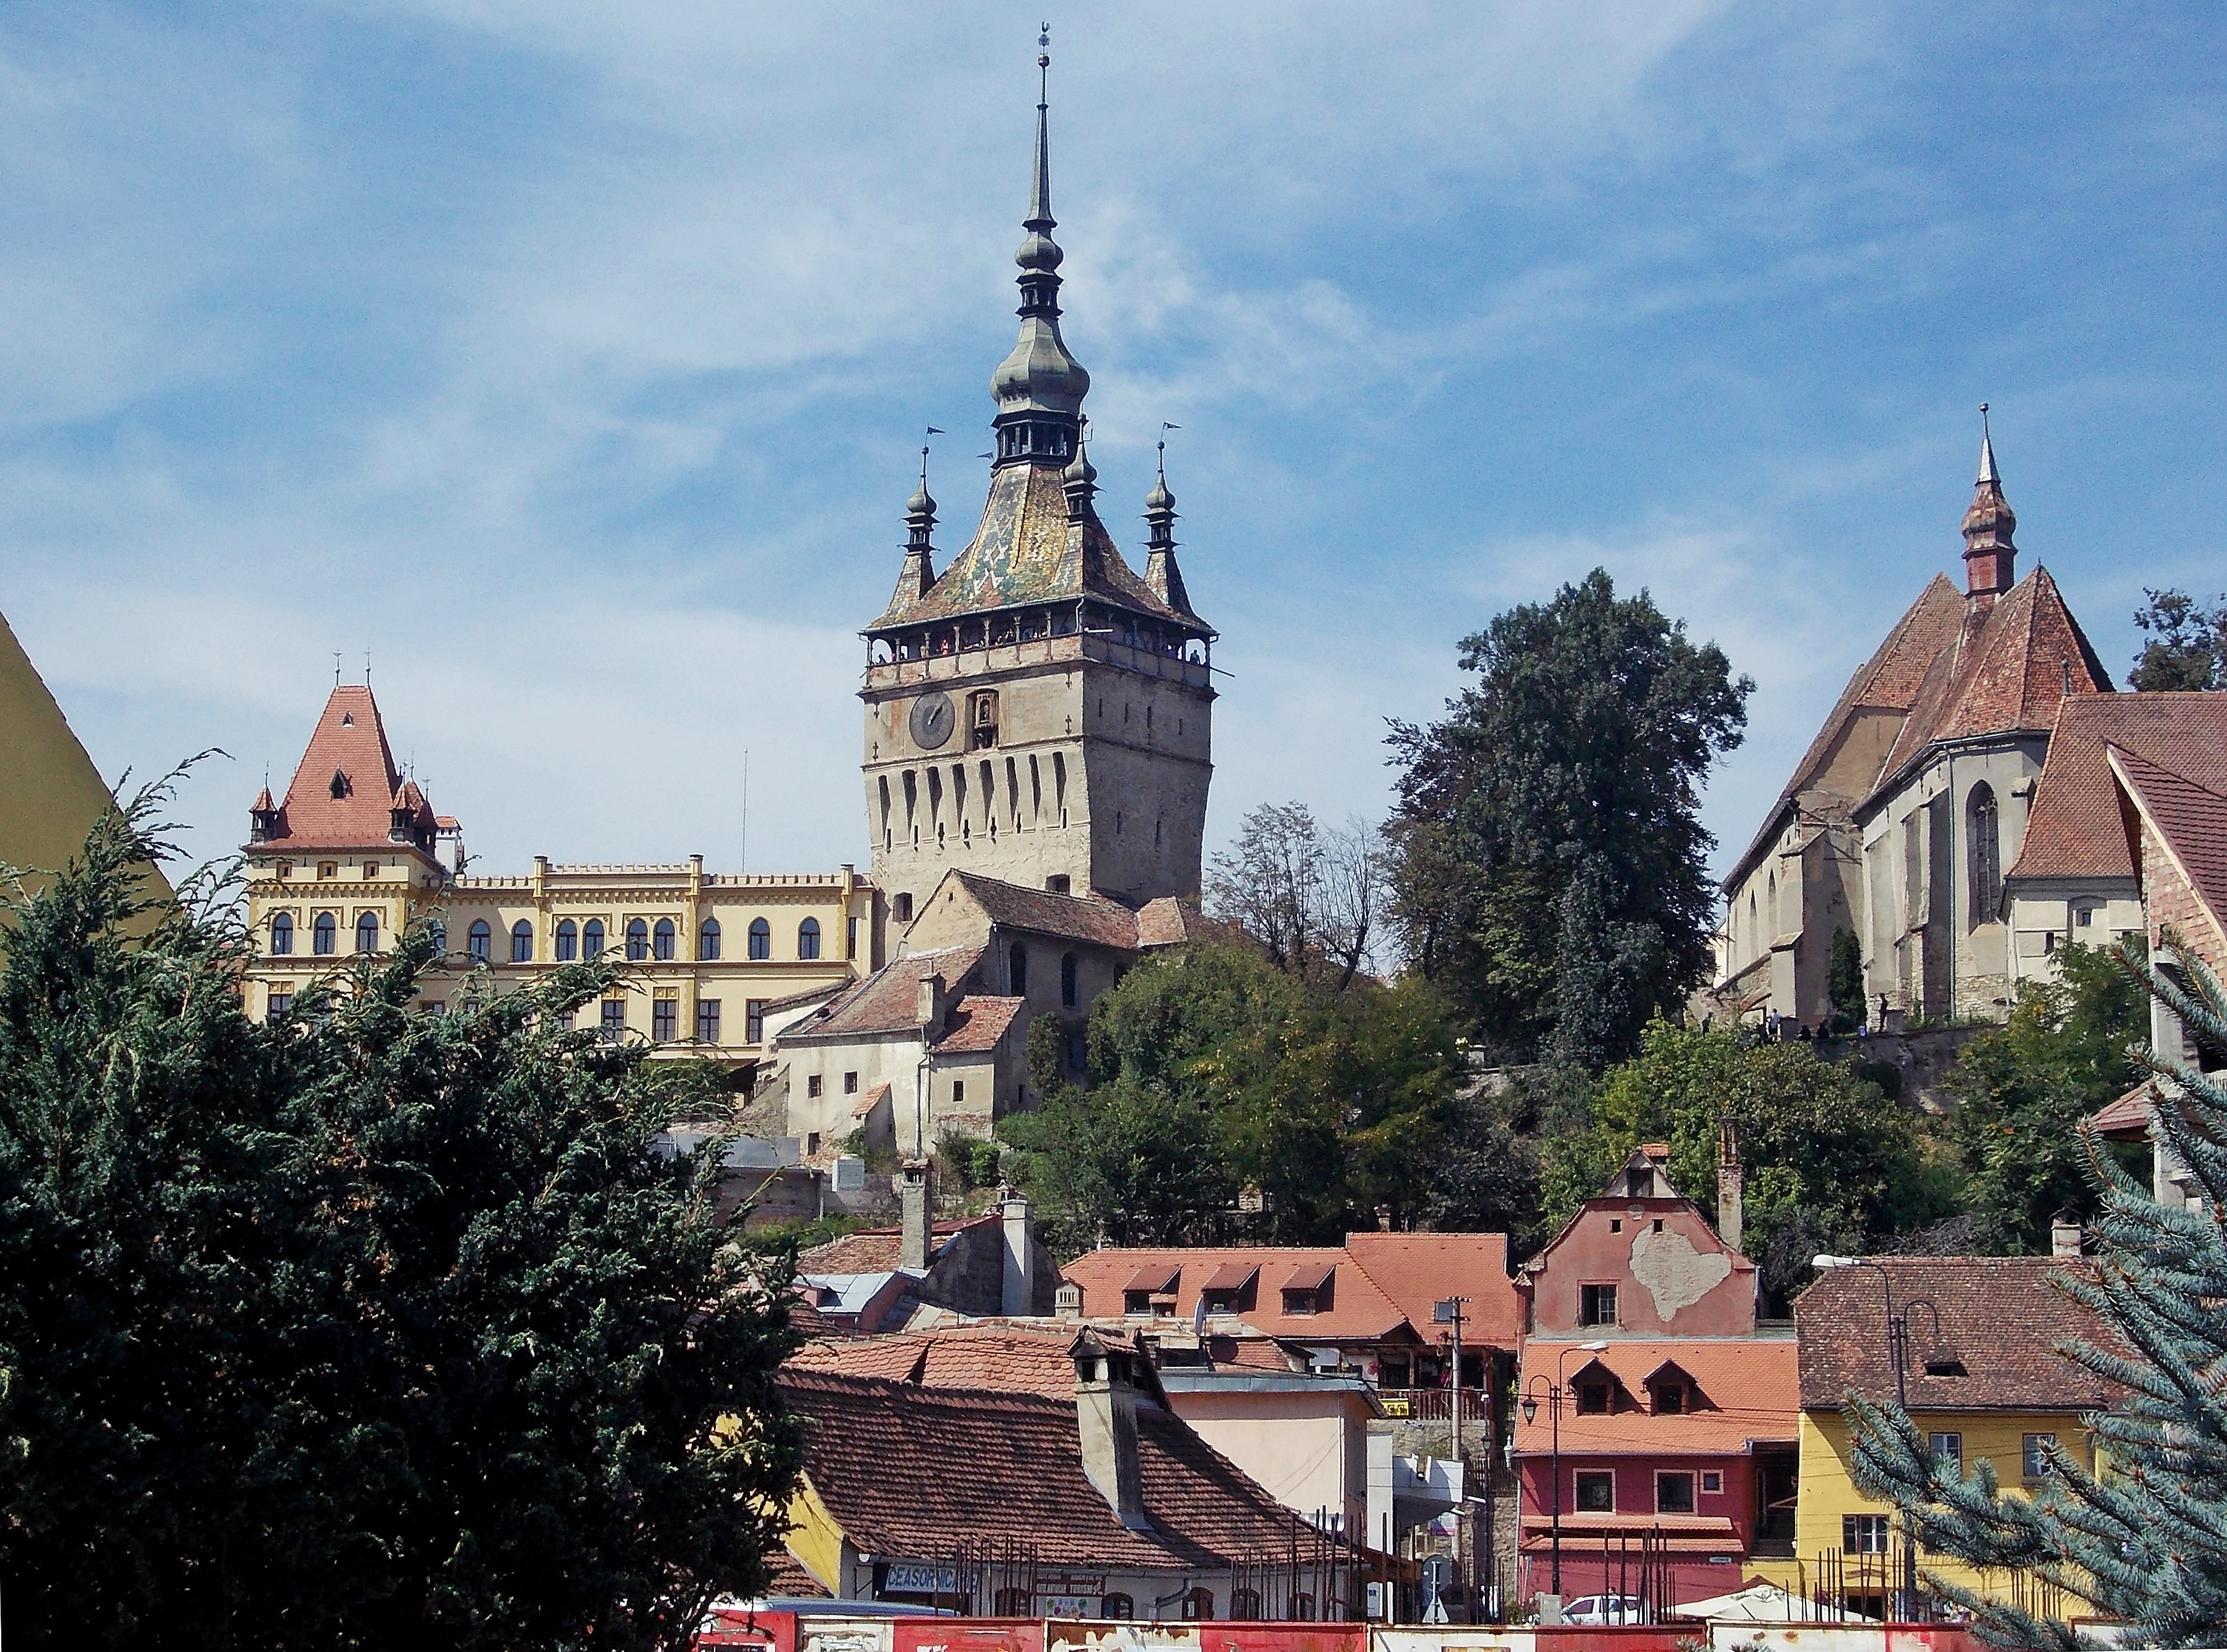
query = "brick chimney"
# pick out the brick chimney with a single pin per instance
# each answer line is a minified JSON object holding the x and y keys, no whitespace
{"x":1105,"y":1424}
{"x":2064,"y":1235}
{"x":915,"y":1199}
{"x":1731,"y":1185}
{"x":932,"y":1007}
{"x":1016,"y":1296}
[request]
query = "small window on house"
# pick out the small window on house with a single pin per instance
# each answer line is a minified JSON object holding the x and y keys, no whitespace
{"x":707,"y":1021}
{"x":1863,"y":1533}
{"x":1674,"y":1491}
{"x":1597,"y":1305}
{"x":591,"y":940}
{"x":808,"y":938}
{"x":1117,"y":1606}
{"x":370,"y":870}
{"x":328,"y":869}
{"x":1067,"y":981}
{"x":1713,"y":1481}
{"x":1947,"y":1448}
{"x":1058,"y":884}
{"x":2033,"y":1456}
{"x":708,"y":940}
{"x":1245,"y":1605}
{"x":1593,"y":1399}
{"x":754,"y":1021}
{"x":957,"y":1092}
{"x":761,"y":940}
{"x":813,"y":1085}
{"x":665,"y":1020}
{"x":1670,"y":1399}
{"x":282,"y":936}
{"x":279,"y":1003}
{"x":477,"y":940}
{"x":323,"y":935}
{"x":662,"y":941}
{"x":1596,"y":1491}
{"x":637,"y":940}
{"x":568,"y":940}
{"x":285,"y":869}
{"x":367,"y":932}
{"x":900,"y":907}
{"x":2083,"y":916}
{"x":521,"y":943}
{"x":1615,"y":1224}
{"x":850,"y":1084}
{"x":1658,"y":1224}
{"x":1198,"y":1604}
{"x":614,"y":1020}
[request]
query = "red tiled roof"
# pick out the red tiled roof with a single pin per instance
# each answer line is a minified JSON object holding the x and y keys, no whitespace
{"x":889,"y":999}
{"x":979,"y":1023}
{"x":911,"y":1471}
{"x":2190,"y":819}
{"x":788,"y":1578}
{"x":2129,"y":1115}
{"x":989,"y":1358}
{"x":1750,"y":1390}
{"x":2074,"y":829}
{"x":869,"y":1101}
{"x":2012,"y":664}
{"x":2000,"y":1317}
{"x":349,"y":742}
{"x":1379,"y":1283}
{"x":878,"y":1250}
{"x":1230,"y":1276}
{"x":1071,"y":917}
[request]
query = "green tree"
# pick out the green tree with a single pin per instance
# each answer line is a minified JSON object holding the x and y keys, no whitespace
{"x":1549,"y":861}
{"x":2021,"y":1090}
{"x":2143,"y":1540}
{"x":1844,"y":979}
{"x":363,"y":1327}
{"x":2187,"y":643}
{"x":1814,"y":1139}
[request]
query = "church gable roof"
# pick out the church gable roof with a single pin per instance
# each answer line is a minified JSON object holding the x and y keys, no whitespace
{"x":2013,"y":663}
{"x":2074,"y":828}
{"x":345,"y":790}
{"x":1028,"y":552}
{"x":2191,"y":822}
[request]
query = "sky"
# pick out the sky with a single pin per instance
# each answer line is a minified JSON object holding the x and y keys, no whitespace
{"x":571,"y":361}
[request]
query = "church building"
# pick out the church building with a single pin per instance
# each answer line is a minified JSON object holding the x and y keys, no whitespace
{"x":1902,"y":819}
{"x":1037,"y":748}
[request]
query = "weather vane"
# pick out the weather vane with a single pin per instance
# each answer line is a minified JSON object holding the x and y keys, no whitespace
{"x":1164,"y":447}
{"x":932,"y":430}
{"x":1043,"y":64}
{"x":336,"y":668}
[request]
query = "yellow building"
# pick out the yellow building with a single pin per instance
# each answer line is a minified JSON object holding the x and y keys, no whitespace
{"x":1984,"y":1381}
{"x":353,"y":854}
{"x":50,"y":793}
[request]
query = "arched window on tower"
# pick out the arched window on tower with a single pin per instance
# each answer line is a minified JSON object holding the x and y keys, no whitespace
{"x":568,"y":940}
{"x":1986,"y":855}
{"x":282,"y":935}
{"x":591,"y":940}
{"x":366,"y":932}
{"x":521,"y":943}
{"x":707,"y":939}
{"x":761,"y":940}
{"x":808,"y":938}
{"x":475,"y":940}
{"x":637,"y":940}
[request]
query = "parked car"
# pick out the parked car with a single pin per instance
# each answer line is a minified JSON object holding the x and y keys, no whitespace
{"x":1606,"y":1609}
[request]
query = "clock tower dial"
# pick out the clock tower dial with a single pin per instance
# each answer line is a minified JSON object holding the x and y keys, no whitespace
{"x":933,"y":719}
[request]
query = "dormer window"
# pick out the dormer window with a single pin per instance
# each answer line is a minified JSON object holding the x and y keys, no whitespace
{"x":1307,"y":1291}
{"x":339,"y":784}
{"x":1951,"y":1366}
{"x":1150,"y":1289}
{"x":1670,"y":1399}
{"x":1594,"y":1398}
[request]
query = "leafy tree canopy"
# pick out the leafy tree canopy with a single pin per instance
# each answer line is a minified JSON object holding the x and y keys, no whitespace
{"x":1215,"y":1072}
{"x":1550,"y":868}
{"x":363,"y":1327}
{"x":2021,"y":1090}
{"x":2187,"y":643}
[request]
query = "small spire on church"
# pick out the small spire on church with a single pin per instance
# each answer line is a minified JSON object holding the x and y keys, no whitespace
{"x":1160,"y":508}
{"x":1990,"y":553}
{"x":1080,"y":478}
{"x":1039,"y":386}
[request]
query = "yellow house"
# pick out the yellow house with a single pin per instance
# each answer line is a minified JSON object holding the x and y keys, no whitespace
{"x":1983,"y":1381}
{"x":354,"y":854}
{"x":50,"y":793}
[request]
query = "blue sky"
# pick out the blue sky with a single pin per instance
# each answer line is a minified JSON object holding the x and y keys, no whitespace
{"x":572,"y":359}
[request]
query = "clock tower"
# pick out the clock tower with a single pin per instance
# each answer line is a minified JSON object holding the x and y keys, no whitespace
{"x":1039,"y":712}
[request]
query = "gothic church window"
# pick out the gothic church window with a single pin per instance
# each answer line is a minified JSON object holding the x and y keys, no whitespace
{"x":475,"y":940}
{"x":1986,"y":855}
{"x":568,"y":940}
{"x":637,"y":940}
{"x":808,"y":938}
{"x":761,"y":939}
{"x":707,"y":943}
{"x":521,"y":943}
{"x":282,"y":935}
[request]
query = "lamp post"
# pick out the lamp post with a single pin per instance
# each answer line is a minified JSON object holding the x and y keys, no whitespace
{"x":1898,"y":1348}
{"x":1555,"y":1391}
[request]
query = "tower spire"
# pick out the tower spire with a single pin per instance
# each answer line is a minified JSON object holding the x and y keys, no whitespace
{"x":1990,"y":555}
{"x":1162,"y":577}
{"x":1039,"y":386}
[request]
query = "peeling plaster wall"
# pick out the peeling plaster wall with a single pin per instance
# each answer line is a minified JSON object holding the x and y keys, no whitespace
{"x":1675,"y":1279}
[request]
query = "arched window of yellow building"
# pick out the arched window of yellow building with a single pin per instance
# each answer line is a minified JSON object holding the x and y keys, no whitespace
{"x":282,"y":935}
{"x":761,"y":939}
{"x":661,"y":944}
{"x":568,"y":940}
{"x":637,"y":933}
{"x":708,"y":940}
{"x":324,"y":935}
{"x":476,"y":941}
{"x":521,"y":943}
{"x":808,"y":938}
{"x":591,"y":940}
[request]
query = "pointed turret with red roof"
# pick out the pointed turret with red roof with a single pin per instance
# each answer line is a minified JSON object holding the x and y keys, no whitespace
{"x":347,"y":794}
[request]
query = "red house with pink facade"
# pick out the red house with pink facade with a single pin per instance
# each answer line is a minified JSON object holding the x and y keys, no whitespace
{"x":1657,"y":1430}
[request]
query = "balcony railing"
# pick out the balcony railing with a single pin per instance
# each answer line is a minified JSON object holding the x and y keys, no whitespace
{"x":1432,"y":1405}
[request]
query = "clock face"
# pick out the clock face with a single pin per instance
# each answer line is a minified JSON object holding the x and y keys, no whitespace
{"x":933,"y":719}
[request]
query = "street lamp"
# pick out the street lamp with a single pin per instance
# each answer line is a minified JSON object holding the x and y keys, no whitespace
{"x":1555,"y":1391}
{"x":1898,"y":1348}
